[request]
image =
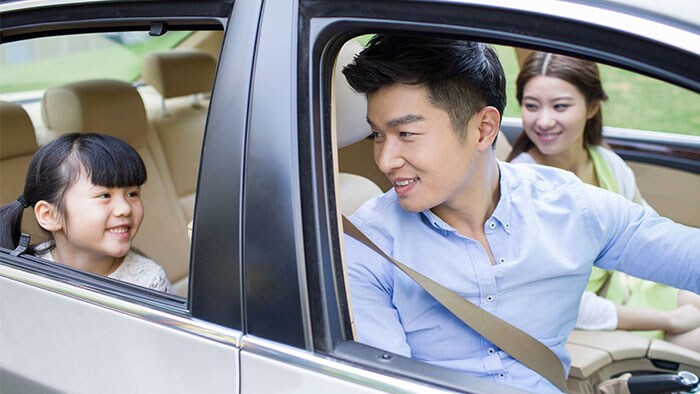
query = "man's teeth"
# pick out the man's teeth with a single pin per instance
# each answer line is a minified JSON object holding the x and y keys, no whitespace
{"x":404,"y":183}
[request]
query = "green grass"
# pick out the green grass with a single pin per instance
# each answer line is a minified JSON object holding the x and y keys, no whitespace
{"x":635,"y":101}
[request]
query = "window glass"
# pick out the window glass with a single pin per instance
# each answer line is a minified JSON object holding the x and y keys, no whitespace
{"x":50,"y":61}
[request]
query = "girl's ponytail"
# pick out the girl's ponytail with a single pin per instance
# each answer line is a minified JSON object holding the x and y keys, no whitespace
{"x":11,"y":222}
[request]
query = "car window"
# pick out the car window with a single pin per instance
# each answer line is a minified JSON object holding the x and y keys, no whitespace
{"x":128,"y":85}
{"x":637,"y":104}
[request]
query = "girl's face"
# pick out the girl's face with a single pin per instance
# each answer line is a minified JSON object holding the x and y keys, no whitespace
{"x":554,"y":115}
{"x":99,"y":222}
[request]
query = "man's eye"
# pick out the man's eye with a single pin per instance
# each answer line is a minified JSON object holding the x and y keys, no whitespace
{"x":406,"y":134}
{"x":376,"y":135}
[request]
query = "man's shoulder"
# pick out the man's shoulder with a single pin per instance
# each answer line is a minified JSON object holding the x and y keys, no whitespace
{"x":538,"y":177}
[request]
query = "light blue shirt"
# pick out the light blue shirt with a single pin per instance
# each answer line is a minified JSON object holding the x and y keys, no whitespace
{"x":545,"y":233}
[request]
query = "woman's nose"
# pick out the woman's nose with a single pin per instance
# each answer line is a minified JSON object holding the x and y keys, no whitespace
{"x":545,"y":120}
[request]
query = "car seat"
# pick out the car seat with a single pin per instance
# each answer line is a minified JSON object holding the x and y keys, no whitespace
{"x":17,"y":147}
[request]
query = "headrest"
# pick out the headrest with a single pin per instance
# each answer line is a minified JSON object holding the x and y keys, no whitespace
{"x":350,"y":108}
{"x":100,"y":106}
{"x":17,"y":136}
{"x":180,"y":72}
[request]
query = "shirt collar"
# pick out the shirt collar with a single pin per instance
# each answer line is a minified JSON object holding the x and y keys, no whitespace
{"x":502,"y":214}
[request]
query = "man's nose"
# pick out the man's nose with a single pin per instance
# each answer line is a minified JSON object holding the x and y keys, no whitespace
{"x":388,"y":156}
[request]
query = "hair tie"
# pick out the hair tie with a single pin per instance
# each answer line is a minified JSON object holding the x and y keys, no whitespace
{"x":22,"y":201}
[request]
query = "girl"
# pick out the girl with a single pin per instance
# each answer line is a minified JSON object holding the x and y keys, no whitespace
{"x":561,"y":101}
{"x":84,"y":190}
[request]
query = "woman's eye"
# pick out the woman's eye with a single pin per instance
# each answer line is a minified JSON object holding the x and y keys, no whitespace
{"x":530,"y":107}
{"x":561,"y":107}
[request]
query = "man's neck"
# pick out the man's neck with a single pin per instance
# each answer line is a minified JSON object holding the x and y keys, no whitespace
{"x":469,"y":213}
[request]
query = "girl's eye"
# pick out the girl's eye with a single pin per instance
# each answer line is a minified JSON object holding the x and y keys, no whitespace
{"x":133,"y":194}
{"x":103,"y":195}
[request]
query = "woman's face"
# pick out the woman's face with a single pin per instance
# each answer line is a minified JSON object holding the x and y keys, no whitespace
{"x":554,"y":115}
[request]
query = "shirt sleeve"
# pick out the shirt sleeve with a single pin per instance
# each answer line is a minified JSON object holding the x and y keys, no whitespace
{"x":377,"y":321}
{"x":637,"y":241}
{"x":596,"y":313}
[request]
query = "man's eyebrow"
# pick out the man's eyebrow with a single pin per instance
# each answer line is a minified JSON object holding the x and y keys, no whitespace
{"x":410,"y":118}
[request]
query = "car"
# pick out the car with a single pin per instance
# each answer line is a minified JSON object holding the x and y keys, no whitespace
{"x":248,"y":133}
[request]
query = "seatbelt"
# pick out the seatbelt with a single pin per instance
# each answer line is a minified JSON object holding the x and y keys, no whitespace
{"x":520,"y":345}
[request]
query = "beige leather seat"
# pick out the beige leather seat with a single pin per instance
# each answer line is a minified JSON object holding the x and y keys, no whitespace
{"x":180,"y":76}
{"x":17,"y":147}
{"x":349,"y":125}
{"x":115,"y":108}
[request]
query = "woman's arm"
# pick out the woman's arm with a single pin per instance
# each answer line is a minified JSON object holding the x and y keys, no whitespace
{"x":677,"y":321}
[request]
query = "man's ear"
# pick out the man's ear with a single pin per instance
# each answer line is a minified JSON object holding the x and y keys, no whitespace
{"x":47,"y":216}
{"x":489,"y":125}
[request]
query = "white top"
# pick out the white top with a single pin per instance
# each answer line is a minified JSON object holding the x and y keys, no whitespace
{"x":599,"y":313}
{"x":135,"y":269}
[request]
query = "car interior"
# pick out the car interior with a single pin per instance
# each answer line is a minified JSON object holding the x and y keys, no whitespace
{"x":163,"y":116}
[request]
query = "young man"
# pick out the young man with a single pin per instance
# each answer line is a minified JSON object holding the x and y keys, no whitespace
{"x":517,"y":241}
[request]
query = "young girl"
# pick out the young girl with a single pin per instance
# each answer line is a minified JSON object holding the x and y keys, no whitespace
{"x":84,"y":190}
{"x":561,"y":101}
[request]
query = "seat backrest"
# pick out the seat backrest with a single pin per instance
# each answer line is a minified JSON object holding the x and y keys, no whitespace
{"x":177,"y":74}
{"x":348,"y":119}
{"x":17,"y":147}
{"x":116,"y":108}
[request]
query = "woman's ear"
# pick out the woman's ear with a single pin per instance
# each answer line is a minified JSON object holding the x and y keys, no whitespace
{"x":489,"y":125}
{"x":593,"y":109}
{"x":47,"y":216}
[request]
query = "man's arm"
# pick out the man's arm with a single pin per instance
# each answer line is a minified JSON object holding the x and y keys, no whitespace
{"x":376,"y":319}
{"x":636,"y":241}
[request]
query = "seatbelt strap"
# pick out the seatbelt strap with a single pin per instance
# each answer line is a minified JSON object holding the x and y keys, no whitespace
{"x":520,"y":345}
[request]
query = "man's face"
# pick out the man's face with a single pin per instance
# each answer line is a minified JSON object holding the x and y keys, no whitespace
{"x":416,"y":147}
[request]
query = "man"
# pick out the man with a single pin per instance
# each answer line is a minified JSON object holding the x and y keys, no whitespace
{"x":517,"y":241}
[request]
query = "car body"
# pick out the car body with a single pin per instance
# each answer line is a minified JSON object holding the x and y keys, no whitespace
{"x":265,"y":306}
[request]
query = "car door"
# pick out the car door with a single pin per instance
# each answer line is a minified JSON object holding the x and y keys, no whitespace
{"x":291,"y":234}
{"x":65,"y":330}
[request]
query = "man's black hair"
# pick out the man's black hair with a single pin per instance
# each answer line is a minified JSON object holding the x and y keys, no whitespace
{"x":461,"y":76}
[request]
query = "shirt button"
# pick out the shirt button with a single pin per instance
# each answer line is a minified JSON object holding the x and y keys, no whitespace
{"x":502,"y":260}
{"x":507,"y":225}
{"x":501,"y":375}
{"x":492,"y":225}
{"x":491,"y":350}
{"x":489,"y":298}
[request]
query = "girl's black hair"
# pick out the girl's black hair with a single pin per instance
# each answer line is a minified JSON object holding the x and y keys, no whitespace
{"x":107,"y":161}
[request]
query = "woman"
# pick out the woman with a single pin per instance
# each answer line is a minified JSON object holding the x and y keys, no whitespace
{"x":561,"y":99}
